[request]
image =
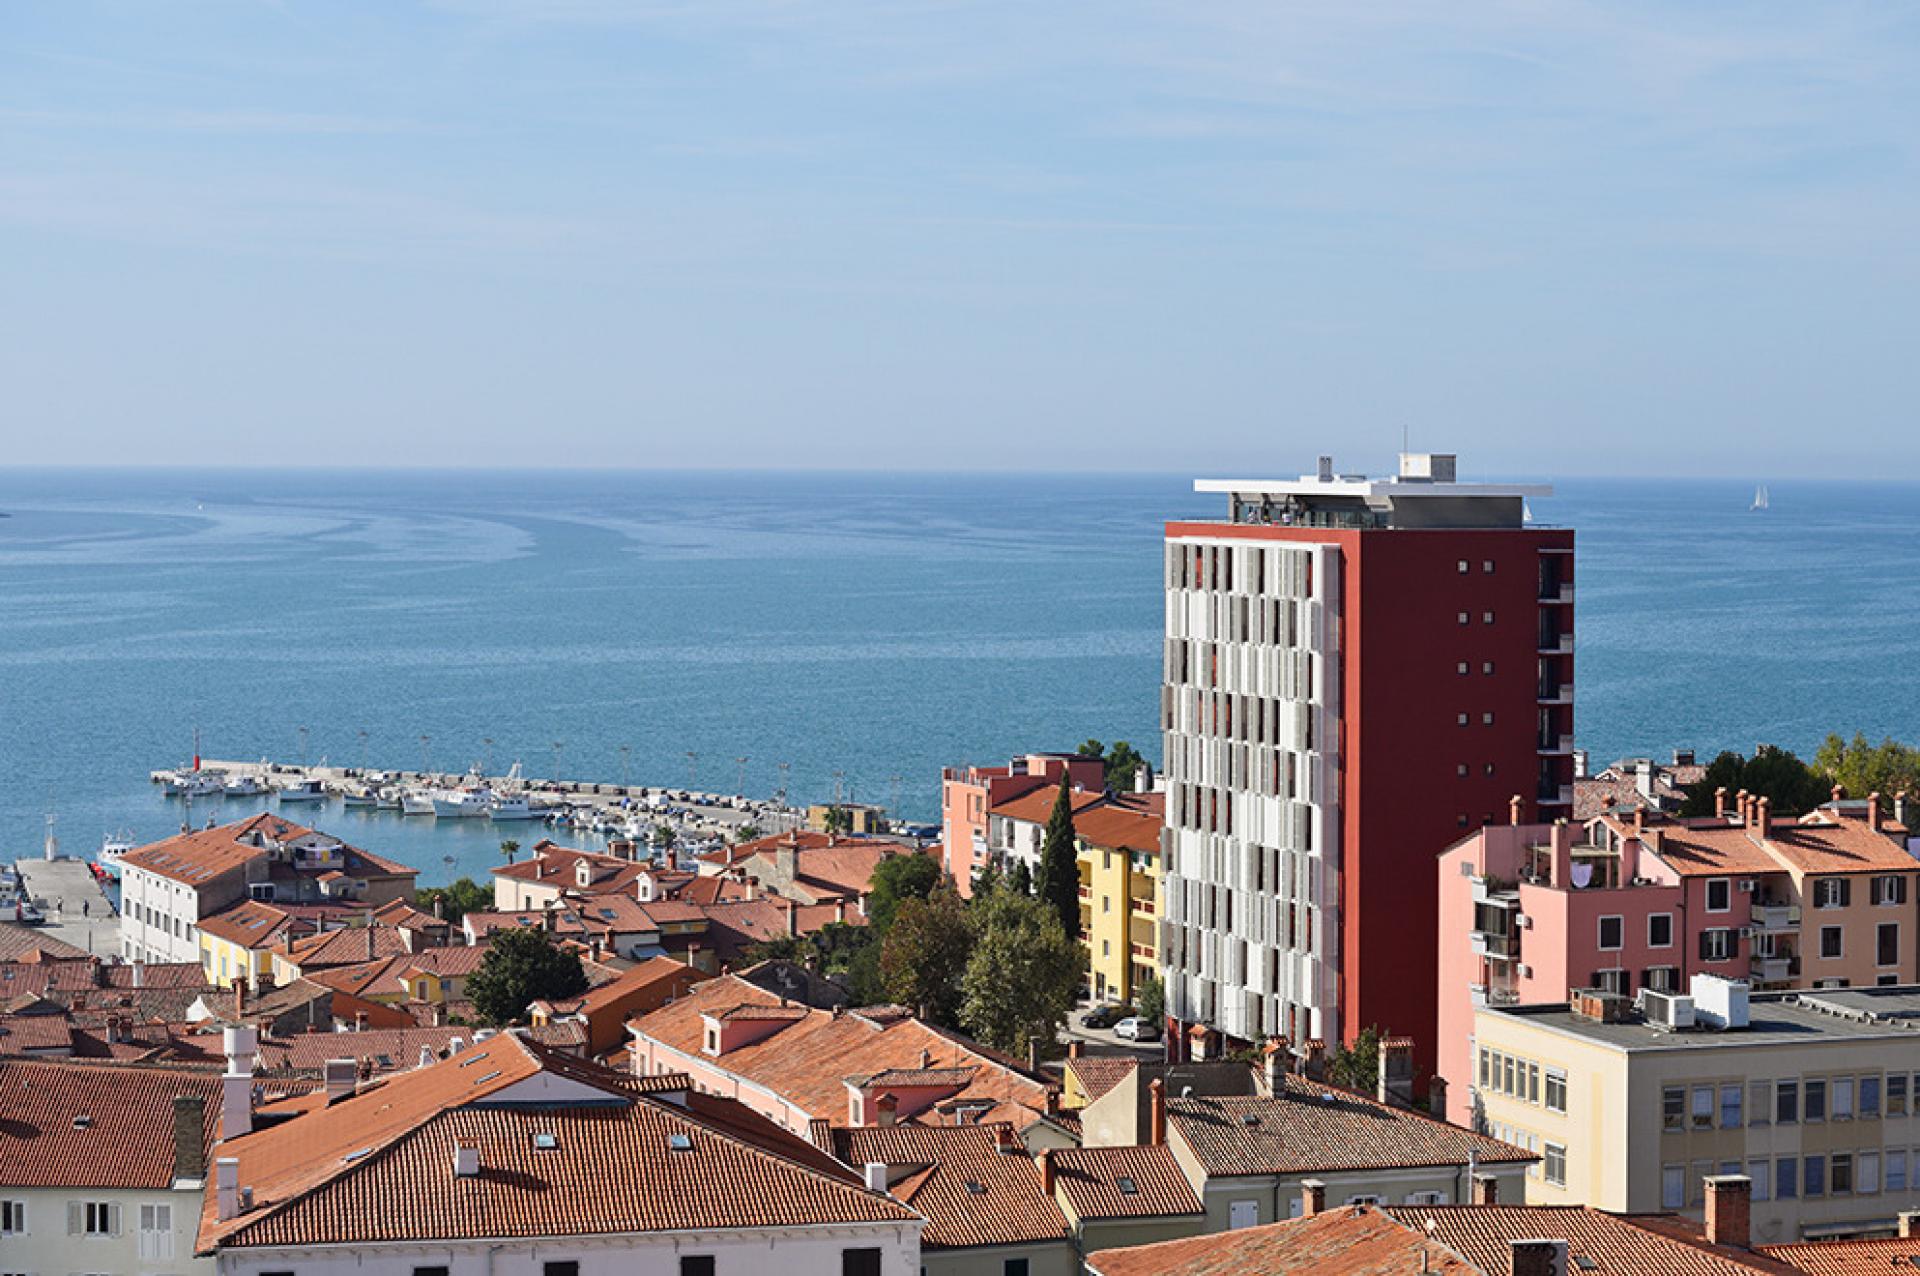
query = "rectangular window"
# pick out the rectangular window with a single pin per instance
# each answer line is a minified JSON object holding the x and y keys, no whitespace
{"x":864,"y":1261}
{"x":1840,"y":1182}
{"x":1673,"y":1108}
{"x":1761,"y":1174}
{"x":1786,"y":1178}
{"x":1869,"y":1098}
{"x":13,"y":1218}
{"x":1786,"y":1108}
{"x":1719,"y":895}
{"x":1814,"y":1182}
{"x":1556,"y":1090}
{"x":95,"y":1218}
{"x":1716,"y":944}
{"x":1660,"y":930}
{"x":1897,"y":1094}
{"x":696,"y":1265}
{"x":1612,"y":933}
{"x":1014,"y":1267}
{"x":1815,"y":1105}
{"x":444,"y":1270}
{"x":1866,"y":1174}
{"x":1556,"y":1164}
{"x":1887,"y":943}
{"x":560,"y":1269}
{"x":1485,"y":1058}
{"x":1832,"y":892}
{"x":1896,"y":1169}
{"x":1890,"y":890}
{"x":1702,"y":1107}
{"x":1533,"y":1083}
{"x":1830,"y":941}
{"x":156,"y":1231}
{"x":1760,"y":1103}
{"x":1840,"y":1098}
{"x":1730,"y":1096}
{"x":1673,"y":1187}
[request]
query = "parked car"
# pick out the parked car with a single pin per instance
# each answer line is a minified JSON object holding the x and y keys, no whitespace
{"x":1106,"y":1016}
{"x":1134,"y":1028}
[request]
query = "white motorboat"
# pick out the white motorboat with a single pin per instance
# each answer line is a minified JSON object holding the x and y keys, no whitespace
{"x":112,"y":847}
{"x":462,"y":804}
{"x":416,"y":802}
{"x":303,"y":791}
{"x":244,"y":785}
{"x":204,"y":784}
{"x":509,"y":806}
{"x":388,"y":799}
{"x":358,"y":795}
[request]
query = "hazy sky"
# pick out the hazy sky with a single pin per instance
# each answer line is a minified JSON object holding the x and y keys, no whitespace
{"x":1556,"y":237}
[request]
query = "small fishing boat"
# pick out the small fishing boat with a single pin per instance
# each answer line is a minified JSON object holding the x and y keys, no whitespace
{"x":112,"y":847}
{"x":303,"y":791}
{"x":1760,"y":499}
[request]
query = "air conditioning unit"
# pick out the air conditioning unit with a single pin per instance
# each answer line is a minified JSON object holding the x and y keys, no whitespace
{"x":1526,"y":971}
{"x":1746,"y":885}
{"x":1748,"y":932}
{"x":1666,"y":1009}
{"x":1523,"y":921}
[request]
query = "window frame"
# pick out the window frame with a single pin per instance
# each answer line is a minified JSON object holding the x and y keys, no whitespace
{"x":1619,"y":943}
{"x":1659,"y":917}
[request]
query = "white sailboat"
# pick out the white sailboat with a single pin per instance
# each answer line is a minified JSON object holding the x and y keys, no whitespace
{"x":1759,"y":498}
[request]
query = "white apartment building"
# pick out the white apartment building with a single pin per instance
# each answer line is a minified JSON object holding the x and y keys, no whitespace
{"x":102,"y":1168}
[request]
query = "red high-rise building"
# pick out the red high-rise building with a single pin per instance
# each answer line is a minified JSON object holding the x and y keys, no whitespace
{"x":1358,"y":671}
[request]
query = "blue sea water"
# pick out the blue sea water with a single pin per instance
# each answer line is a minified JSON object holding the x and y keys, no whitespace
{"x":879,"y":626}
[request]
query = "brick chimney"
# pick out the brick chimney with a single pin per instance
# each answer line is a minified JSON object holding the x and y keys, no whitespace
{"x":1486,"y":1189}
{"x":1046,"y":1170}
{"x":793,"y":919}
{"x":1729,"y":1201}
{"x":1313,"y":1197}
{"x":1538,"y":1258}
{"x":1395,"y":1083}
{"x":1515,"y":806}
{"x":1873,"y":811}
{"x":1763,"y":815}
{"x":189,"y":1138}
{"x":1720,"y":803}
{"x":1275,"y":1057}
{"x":1316,"y":1066}
{"x":1156,"y":1112}
{"x":1076,"y":1048}
{"x":1743,"y":805}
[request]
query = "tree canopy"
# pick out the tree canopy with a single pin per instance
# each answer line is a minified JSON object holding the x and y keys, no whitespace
{"x":1059,"y":882}
{"x":457,"y":899}
{"x":1023,"y":975}
{"x":1122,"y":762}
{"x":1772,"y":772}
{"x":1020,"y":880}
{"x":1861,"y":767}
{"x":924,"y":957}
{"x":521,"y":967}
{"x":896,"y":879}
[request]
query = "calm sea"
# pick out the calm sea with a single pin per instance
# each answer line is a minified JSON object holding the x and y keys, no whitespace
{"x":877,"y":626}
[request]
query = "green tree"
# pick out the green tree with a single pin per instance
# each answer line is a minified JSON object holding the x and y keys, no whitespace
{"x":1092,"y":749}
{"x":1059,"y":882}
{"x":1357,"y":1067}
{"x":838,"y":820}
{"x":1862,"y":768}
{"x":1123,"y":764}
{"x":662,"y":837}
{"x":746,"y":833}
{"x":986,"y":878}
{"x":923,"y":957}
{"x":1150,"y":1000}
{"x":521,"y":967}
{"x":509,"y":849}
{"x":1023,"y":975}
{"x":1020,"y":880}
{"x":456,"y":899}
{"x":1772,"y":772}
{"x":896,"y":879}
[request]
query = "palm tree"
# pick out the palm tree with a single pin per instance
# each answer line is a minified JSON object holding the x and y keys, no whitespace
{"x":509,"y":848}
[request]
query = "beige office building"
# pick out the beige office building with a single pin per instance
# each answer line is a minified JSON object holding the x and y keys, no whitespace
{"x":1810,"y":1093}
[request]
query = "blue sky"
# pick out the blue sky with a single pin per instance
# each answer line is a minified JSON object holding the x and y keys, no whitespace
{"x":1559,"y":238}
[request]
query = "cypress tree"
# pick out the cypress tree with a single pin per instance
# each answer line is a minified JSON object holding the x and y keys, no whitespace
{"x":1059,"y":883}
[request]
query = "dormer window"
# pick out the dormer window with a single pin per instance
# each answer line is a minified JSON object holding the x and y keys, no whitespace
{"x":713,"y":1039}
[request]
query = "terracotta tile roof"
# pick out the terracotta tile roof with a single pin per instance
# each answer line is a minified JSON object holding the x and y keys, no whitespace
{"x":654,"y":973}
{"x":1349,"y":1241}
{"x":972,"y":1191}
{"x":453,"y":961}
{"x":386,"y":1049}
{"x":336,"y":1173}
{"x":482,"y":924}
{"x":1620,"y":1245}
{"x":1099,"y":1073}
{"x":736,"y":927}
{"x":1819,"y":843}
{"x":345,"y":947}
{"x":35,"y":1034}
{"x":1709,"y":851}
{"x":127,"y":1141}
{"x":556,"y":866}
{"x":1119,"y":828}
{"x":703,"y":890}
{"x":397,"y":912}
{"x":1313,"y":1127}
{"x":791,"y":1014}
{"x":1035,"y":806}
{"x":807,"y":1062}
{"x":25,"y":943}
{"x":1096,"y":1182}
{"x":914,"y":1078}
{"x":1848,"y":1258}
{"x":198,"y":856}
{"x":172,"y":974}
{"x":251,"y":923}
{"x":616,"y":913}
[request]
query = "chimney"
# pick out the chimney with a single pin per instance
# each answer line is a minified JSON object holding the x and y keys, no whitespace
{"x":1395,"y":1082}
{"x":239,"y":998}
{"x":1560,"y":840}
{"x":793,"y":919}
{"x":1437,"y":1097}
{"x":1741,"y":805}
{"x":1763,"y":814}
{"x":359,"y":1021}
{"x":440,"y":905}
{"x":1538,"y":1258}
{"x":226,"y":1175}
{"x":1486,"y":1189}
{"x":1729,"y":1199}
{"x":1316,"y":1059}
{"x":426,"y":1057}
{"x":236,"y":1086}
{"x":1076,"y":1048}
{"x":885,"y":1109}
{"x":140,"y":967}
{"x":1873,"y":811}
{"x":1033,"y":1054}
{"x":1046,"y":1171}
{"x":1838,"y":793}
{"x":1313,"y":1197}
{"x":1275,"y":1056}
{"x":877,"y":1176}
{"x":1643,"y":778}
{"x":840,"y":911}
{"x":466,"y":1159}
{"x":340,"y":1076}
{"x":1901,"y":810}
{"x":1909,"y":1224}
{"x":1156,"y":1112}
{"x":1639,"y":821}
{"x":1720,"y":803}
{"x":189,"y":1138}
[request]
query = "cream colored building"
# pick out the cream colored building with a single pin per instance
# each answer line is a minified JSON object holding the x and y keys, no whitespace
{"x":1813,"y":1098}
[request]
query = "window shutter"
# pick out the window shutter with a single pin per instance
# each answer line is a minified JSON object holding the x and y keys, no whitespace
{"x":113,"y":1220}
{"x":1846,"y":891}
{"x":1703,"y":945}
{"x":76,"y":1218}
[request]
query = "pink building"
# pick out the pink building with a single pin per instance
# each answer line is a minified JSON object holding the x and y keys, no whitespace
{"x":968,"y":795}
{"x":1627,"y":902}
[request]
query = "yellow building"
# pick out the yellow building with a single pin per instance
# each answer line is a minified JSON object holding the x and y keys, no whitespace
{"x":1119,"y":895}
{"x":238,"y":942}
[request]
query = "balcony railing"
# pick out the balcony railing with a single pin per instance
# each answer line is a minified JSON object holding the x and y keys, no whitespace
{"x":1555,"y":692}
{"x":1768,"y":915}
{"x":1488,"y":943}
{"x":1552,"y":795}
{"x":1774,"y":970}
{"x":1556,"y":591}
{"x":1143,"y":906}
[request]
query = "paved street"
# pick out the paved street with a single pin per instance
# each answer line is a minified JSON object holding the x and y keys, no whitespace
{"x":78,"y":910}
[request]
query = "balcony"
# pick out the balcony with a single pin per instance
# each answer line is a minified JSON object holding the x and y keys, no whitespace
{"x":1555,"y":692}
{"x":1494,"y":994}
{"x":1555,"y":644}
{"x":1553,"y":743}
{"x":1086,"y":892}
{"x":1775,"y":970}
{"x":1770,"y":916}
{"x":1552,"y":592}
{"x":1495,"y":945}
{"x":1143,"y":906}
{"x":1554,"y":795}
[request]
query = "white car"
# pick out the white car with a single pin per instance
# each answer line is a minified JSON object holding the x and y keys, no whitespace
{"x":1135,"y":1028}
